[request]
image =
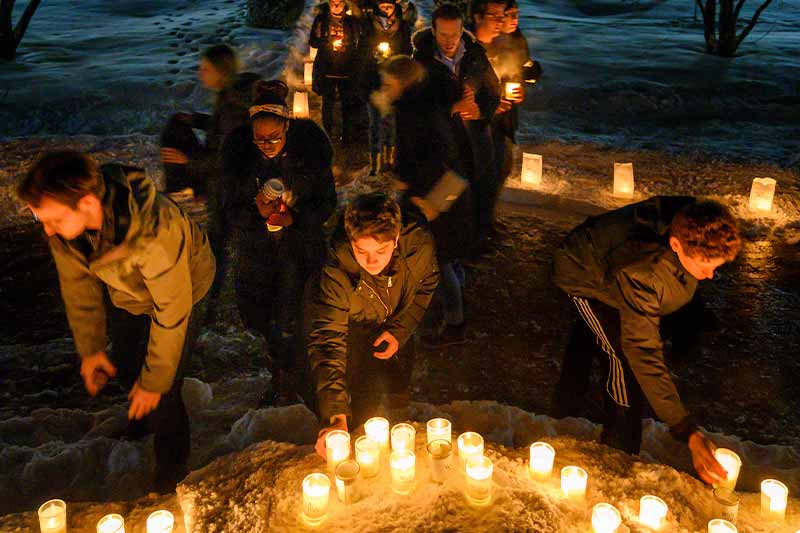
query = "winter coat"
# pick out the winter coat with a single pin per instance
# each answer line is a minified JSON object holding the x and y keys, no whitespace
{"x":329,"y":63}
{"x":150,"y":257}
{"x":345,"y":294}
{"x":623,"y":259}
{"x":399,"y":38}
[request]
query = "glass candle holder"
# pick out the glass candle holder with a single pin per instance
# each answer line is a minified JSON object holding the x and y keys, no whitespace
{"x":439,"y":429}
{"x":439,"y":452}
{"x":337,"y":448}
{"x":316,"y":495}
{"x":160,"y":522}
{"x":731,"y":462}
{"x":470,"y":444}
{"x":403,"y":465}
{"x":510,"y":87}
{"x":652,"y":512}
{"x":774,"y":496}
{"x":403,"y":436}
{"x":377,"y":428}
{"x":479,"y":480}
{"x":53,"y":516}
{"x":719,"y":525}
{"x":725,"y":504}
{"x":605,"y":518}
{"x":542,"y":456}
{"x":623,"y":180}
{"x":346,"y":475}
{"x":368,"y":455}
{"x":111,"y":523}
{"x":573,"y":482}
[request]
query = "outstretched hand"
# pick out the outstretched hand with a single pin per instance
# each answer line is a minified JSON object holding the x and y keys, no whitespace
{"x":392,"y":345}
{"x":143,"y":402}
{"x":95,"y":371}
{"x":705,"y":463}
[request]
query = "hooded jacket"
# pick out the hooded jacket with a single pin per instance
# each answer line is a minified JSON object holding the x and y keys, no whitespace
{"x":151,"y":258}
{"x":346,"y":294}
{"x":623,"y":259}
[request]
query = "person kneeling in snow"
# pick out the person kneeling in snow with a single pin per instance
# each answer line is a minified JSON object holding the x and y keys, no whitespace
{"x":625,"y":270}
{"x":109,"y":230}
{"x":379,"y":279}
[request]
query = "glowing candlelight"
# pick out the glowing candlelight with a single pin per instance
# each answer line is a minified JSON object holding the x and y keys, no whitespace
{"x":479,"y":480}
{"x":384,"y":49}
{"x":377,"y":428}
{"x":605,"y":518}
{"x":439,"y":429}
{"x":312,"y":53}
{"x":368,"y":455}
{"x":510,"y":88}
{"x":732,"y":464}
{"x":308,"y":73}
{"x":719,"y":525}
{"x":300,"y":106}
{"x":623,"y":180}
{"x":160,"y":522}
{"x":774,"y":496}
{"x":761,"y":194}
{"x":316,"y":493}
{"x":652,"y":512}
{"x":346,"y":474}
{"x":573,"y":482}
{"x":531,"y":169}
{"x":337,"y":446}
{"x":439,"y":452}
{"x":403,"y":437}
{"x":111,"y":523}
{"x":337,"y":44}
{"x":541,"y":460}
{"x":403,"y":465}
{"x":470,"y":444}
{"x":53,"y":516}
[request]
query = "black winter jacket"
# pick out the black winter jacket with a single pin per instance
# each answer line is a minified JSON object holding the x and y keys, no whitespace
{"x":330,"y":63}
{"x":399,"y":38}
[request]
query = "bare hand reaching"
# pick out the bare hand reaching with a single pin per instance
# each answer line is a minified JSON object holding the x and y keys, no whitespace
{"x":91,"y":368}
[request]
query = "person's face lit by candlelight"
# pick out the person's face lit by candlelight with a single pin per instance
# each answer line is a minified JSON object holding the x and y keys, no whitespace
{"x":269,"y":135}
{"x":699,"y":267}
{"x":372,"y":255}
{"x":448,"y":36}
{"x":511,"y":20}
{"x":337,"y":7}
{"x":387,"y":8}
{"x":491,"y":22}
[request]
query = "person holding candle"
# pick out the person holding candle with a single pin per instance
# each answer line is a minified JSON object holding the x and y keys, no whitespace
{"x":279,"y":241}
{"x":130,"y":263}
{"x":363,"y":309}
{"x":624,"y":271}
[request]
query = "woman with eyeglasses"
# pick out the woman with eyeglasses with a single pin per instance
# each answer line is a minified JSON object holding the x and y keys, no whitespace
{"x":278,"y":229}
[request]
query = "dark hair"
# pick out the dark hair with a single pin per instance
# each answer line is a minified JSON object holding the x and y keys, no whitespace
{"x":373,"y":214}
{"x":403,"y":68}
{"x":272,"y":92}
{"x":447,"y":11}
{"x":511,"y":4}
{"x":479,"y":7}
{"x":65,"y":176}
{"x":224,"y":60}
{"x":706,"y":229}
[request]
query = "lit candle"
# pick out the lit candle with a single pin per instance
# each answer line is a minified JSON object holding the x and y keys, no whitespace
{"x":111,"y":523}
{"x":623,"y":180}
{"x":573,"y":482}
{"x":719,"y":525}
{"x":53,"y":516}
{"x":732,"y":464}
{"x":652,"y":512}
{"x":403,"y":465}
{"x":300,"y":106}
{"x":346,"y":474}
{"x":160,"y":522}
{"x":774,"y":496}
{"x":479,"y":480}
{"x":403,"y":437}
{"x":337,"y":446}
{"x":439,"y":452}
{"x":470,"y":444}
{"x":531,"y":173}
{"x":337,"y":44}
{"x":368,"y":455}
{"x":316,"y":493}
{"x":511,"y":87}
{"x":308,"y":73}
{"x":377,"y":428}
{"x":312,"y":53}
{"x":761,"y":194}
{"x":605,"y":518}
{"x":384,"y":49}
{"x":439,"y":429}
{"x":541,"y":460}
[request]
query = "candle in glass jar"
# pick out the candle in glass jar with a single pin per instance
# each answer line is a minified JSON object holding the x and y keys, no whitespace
{"x":605,"y":518}
{"x":337,"y":44}
{"x":732,"y":464}
{"x":403,"y":437}
{"x":160,"y":522}
{"x":774,"y":496}
{"x":403,"y":465}
{"x":111,"y":523}
{"x":316,"y":494}
{"x":377,"y":428}
{"x":439,"y":429}
{"x":479,"y":480}
{"x":337,"y":446}
{"x":652,"y":512}
{"x":439,"y":453}
{"x":719,"y":525}
{"x":541,"y":460}
{"x":368,"y":455}
{"x":511,"y":87}
{"x":573,"y":482}
{"x":346,"y":474}
{"x":53,"y":516}
{"x":470,"y":444}
{"x":384,"y":49}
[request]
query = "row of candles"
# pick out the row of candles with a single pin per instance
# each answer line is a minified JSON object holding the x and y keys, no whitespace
{"x":53,"y":519}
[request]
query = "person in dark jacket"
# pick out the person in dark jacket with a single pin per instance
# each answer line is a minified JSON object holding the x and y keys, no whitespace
{"x":278,"y":234}
{"x":625,"y":270}
{"x":335,"y":35}
{"x":130,"y":264}
{"x":362,"y":312}
{"x":465,"y":85}
{"x":385,"y":33}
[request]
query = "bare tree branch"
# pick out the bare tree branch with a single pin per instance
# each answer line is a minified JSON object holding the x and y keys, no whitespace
{"x":738,"y":9}
{"x":6,"y":7}
{"x":25,"y":19}
{"x":752,"y":23}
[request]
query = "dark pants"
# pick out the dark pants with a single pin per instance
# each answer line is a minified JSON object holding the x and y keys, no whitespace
{"x":179,"y":135}
{"x":218,"y":230}
{"x":340,"y":89}
{"x":483,"y":175}
{"x":169,"y":421}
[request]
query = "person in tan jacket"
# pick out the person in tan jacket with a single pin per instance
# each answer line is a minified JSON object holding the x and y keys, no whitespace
{"x":131,"y":264}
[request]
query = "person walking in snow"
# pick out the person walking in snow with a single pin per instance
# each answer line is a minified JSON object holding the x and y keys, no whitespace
{"x":129,"y":263}
{"x":625,"y":270}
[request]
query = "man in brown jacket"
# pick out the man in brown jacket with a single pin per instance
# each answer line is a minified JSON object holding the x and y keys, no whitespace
{"x":109,"y":229}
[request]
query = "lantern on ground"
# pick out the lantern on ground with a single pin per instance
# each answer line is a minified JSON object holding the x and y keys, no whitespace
{"x":541,"y":460}
{"x":732,"y":464}
{"x":652,"y":512}
{"x":308,"y":73}
{"x":774,"y":496}
{"x":53,"y":516}
{"x":531,"y":170}
{"x":300,"y":105}
{"x":403,"y":466}
{"x":439,"y":429}
{"x":368,"y":455}
{"x":160,"y":522}
{"x":605,"y":518}
{"x":573,"y":482}
{"x":761,"y":194}
{"x":312,"y":53}
{"x":337,"y":448}
{"x":623,"y":180}
{"x":470,"y":444}
{"x":316,"y":494}
{"x":479,"y":480}
{"x":111,"y":523}
{"x":377,"y":428}
{"x":719,"y":525}
{"x":403,"y":437}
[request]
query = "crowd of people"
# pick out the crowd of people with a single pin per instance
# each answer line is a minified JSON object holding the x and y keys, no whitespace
{"x":340,"y":294}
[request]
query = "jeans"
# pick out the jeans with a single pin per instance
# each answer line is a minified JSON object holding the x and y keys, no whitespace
{"x":349,"y":101}
{"x":450,"y":293}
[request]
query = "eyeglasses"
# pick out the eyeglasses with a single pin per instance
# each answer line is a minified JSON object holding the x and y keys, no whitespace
{"x":512,"y":14}
{"x":267,"y":142}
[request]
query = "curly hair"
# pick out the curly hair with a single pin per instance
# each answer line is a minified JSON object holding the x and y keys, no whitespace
{"x":707,"y":230}
{"x":373,"y":214}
